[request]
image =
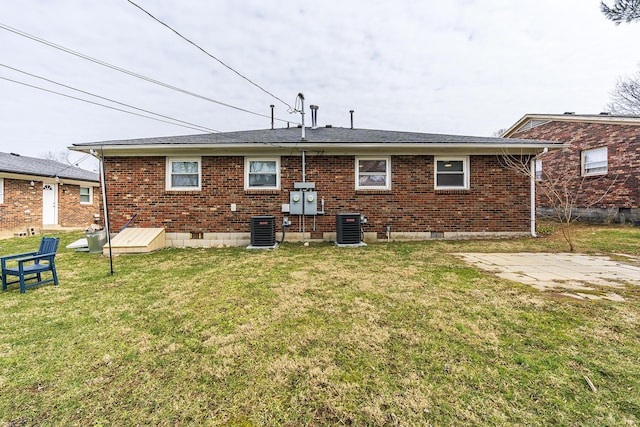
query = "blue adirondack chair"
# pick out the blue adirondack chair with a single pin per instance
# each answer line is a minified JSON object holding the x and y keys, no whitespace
{"x":31,"y":265}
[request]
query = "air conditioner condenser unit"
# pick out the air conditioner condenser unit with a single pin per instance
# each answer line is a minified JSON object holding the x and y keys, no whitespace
{"x":263,"y":232}
{"x":348,"y":230}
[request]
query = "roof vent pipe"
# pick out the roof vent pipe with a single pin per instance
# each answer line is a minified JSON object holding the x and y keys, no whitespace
{"x":272,"y":107}
{"x":301,"y":96}
{"x":351,"y":112}
{"x":314,"y":116}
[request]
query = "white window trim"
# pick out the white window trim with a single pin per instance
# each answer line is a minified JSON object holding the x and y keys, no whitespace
{"x":247,"y":161}
{"x":90,"y":202}
{"x":373,"y":187}
{"x":465,"y":169}
{"x":583,"y":169}
{"x":1,"y":190}
{"x":170,"y":160}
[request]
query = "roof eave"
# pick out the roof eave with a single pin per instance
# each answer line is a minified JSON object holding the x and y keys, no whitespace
{"x":49,"y":179}
{"x":592,"y":118}
{"x":253,"y":148}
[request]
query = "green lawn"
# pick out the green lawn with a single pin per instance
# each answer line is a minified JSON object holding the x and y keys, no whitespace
{"x":389,"y":334}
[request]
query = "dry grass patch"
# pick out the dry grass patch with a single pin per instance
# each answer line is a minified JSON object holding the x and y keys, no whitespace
{"x":397,"y":334}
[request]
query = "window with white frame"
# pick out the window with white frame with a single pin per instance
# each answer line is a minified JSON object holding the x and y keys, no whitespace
{"x":595,"y":161}
{"x":183,"y":174}
{"x":373,"y":173}
{"x":451,"y":173}
{"x":86,"y":195}
{"x":1,"y":190}
{"x":538,"y":171}
{"x":262,"y":173}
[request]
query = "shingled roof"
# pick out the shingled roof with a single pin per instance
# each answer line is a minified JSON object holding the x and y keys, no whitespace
{"x":322,"y":139}
{"x":324,"y":135}
{"x":30,"y":166}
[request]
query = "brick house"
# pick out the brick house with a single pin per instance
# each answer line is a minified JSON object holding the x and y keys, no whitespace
{"x":602,"y":159}
{"x":204,"y":189}
{"x":38,"y":193}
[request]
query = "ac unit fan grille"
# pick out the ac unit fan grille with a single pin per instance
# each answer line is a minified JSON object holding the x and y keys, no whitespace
{"x":348,"y":229}
{"x":263,"y":231}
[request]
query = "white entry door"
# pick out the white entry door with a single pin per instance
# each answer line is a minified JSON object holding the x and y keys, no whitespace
{"x":50,"y":204}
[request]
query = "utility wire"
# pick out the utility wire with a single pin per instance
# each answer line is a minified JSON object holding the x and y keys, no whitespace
{"x":97,"y":103}
{"x":210,"y":55}
{"x":131,"y":73}
{"x":72,"y":165}
{"x":109,"y":99}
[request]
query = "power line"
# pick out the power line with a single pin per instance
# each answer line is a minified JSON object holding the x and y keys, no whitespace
{"x":131,"y":73}
{"x":97,"y":103}
{"x":109,"y":99}
{"x":211,"y":56}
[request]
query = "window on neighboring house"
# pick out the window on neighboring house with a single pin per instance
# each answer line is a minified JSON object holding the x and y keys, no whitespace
{"x":183,"y":174}
{"x":86,"y":195}
{"x":373,"y":173}
{"x":262,"y":173}
{"x":1,"y":190}
{"x":538,"y":170}
{"x":595,"y":161}
{"x":452,"y":173}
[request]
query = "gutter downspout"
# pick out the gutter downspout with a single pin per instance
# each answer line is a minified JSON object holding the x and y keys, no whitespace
{"x":532,"y":173}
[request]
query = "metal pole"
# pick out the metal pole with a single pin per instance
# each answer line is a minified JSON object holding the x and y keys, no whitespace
{"x":272,"y":124}
{"x":105,"y":206}
{"x":301,"y":96}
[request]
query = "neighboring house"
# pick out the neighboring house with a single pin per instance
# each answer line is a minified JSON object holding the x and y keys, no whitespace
{"x":603,"y":159}
{"x":38,"y":193}
{"x":204,"y":189}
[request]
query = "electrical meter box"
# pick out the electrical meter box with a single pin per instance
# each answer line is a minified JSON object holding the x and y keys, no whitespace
{"x":295,"y":202}
{"x":303,"y":203}
{"x":310,"y":202}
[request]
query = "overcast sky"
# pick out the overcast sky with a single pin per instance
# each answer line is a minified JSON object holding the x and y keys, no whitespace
{"x":466,"y":67}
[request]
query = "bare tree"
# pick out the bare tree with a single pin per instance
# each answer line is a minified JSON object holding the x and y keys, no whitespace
{"x":567,"y":194}
{"x":58,"y":156}
{"x":625,"y":98}
{"x":622,"y":11}
{"x":498,"y":133}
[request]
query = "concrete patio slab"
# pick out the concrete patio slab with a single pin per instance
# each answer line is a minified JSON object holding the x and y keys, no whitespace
{"x":564,"y":273}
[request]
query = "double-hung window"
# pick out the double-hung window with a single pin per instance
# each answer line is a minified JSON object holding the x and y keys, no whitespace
{"x":1,"y":190}
{"x":451,"y":173}
{"x":86,"y":195}
{"x":373,"y":173}
{"x":183,"y":174}
{"x":262,"y":173}
{"x":594,"y":162}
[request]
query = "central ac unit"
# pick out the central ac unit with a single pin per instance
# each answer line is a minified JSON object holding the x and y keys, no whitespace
{"x":263,"y":232}
{"x":348,"y":229}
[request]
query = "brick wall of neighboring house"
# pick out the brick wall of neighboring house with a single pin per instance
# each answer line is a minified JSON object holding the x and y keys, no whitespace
{"x":72,"y":213}
{"x":498,"y":199}
{"x":620,"y":186}
{"x":22,"y":207}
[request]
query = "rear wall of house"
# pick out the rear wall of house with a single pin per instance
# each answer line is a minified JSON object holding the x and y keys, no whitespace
{"x":497,"y":201}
